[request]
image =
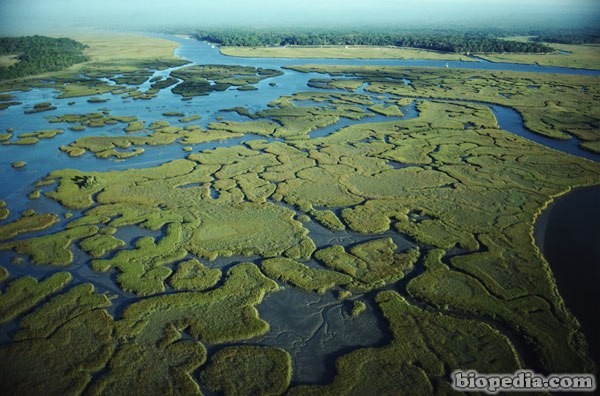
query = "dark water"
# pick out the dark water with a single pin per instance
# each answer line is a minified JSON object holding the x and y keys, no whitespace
{"x":510,"y":120}
{"x":571,"y":244}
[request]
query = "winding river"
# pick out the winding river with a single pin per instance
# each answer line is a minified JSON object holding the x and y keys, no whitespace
{"x":564,"y":223}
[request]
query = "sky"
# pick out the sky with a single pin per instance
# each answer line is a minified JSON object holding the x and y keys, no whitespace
{"x":37,"y":16}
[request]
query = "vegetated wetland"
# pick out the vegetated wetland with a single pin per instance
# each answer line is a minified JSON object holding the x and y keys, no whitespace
{"x":349,"y":227}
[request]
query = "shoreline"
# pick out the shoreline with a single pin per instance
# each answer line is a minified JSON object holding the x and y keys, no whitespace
{"x":574,"y":293}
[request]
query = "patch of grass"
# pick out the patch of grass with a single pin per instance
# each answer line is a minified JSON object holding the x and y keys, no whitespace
{"x":99,"y":246}
{"x":302,"y":276}
{"x":97,"y":100}
{"x":141,"y":269}
{"x":44,"y":321}
{"x":28,"y":141}
{"x":53,"y":249}
{"x":24,"y":293}
{"x":249,"y":370}
{"x":173,"y":114}
{"x":4,"y":212}
{"x":388,"y":111}
{"x":43,"y":134}
{"x":464,"y":292}
{"x":340,"y":52}
{"x":550,"y":107}
{"x":18,"y":164}
{"x":358,"y":307}
{"x":594,"y":146}
{"x":8,"y":60}
{"x":5,"y":137}
{"x":585,"y":56}
{"x":371,"y":264}
{"x":61,"y":345}
{"x":204,"y":79}
{"x":423,"y":344}
{"x":191,"y":118}
{"x":27,"y":224}
{"x":324,"y":83}
{"x":222,"y":315}
{"x":134,"y":126}
{"x":41,"y":107}
{"x":192,"y":275}
{"x":93,"y":120}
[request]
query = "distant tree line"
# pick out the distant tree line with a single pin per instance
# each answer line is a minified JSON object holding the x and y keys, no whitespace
{"x":569,"y":36}
{"x":460,"y":42}
{"x":39,"y":54}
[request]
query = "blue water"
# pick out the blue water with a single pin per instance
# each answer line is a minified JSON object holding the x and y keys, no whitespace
{"x":210,"y":55}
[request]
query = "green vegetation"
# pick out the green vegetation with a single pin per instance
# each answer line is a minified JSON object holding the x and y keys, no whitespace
{"x":98,"y":246}
{"x":27,"y":223}
{"x":287,"y":120}
{"x":92,"y":120}
{"x":192,"y":275}
{"x":41,"y":107}
{"x":166,"y":83}
{"x":31,"y":138}
{"x":173,"y":114}
{"x":341,"y":52}
{"x":372,"y":264}
{"x":594,"y":146}
{"x":249,"y":370}
{"x":97,"y":100}
{"x":133,"y":57}
{"x":61,"y":345}
{"x":24,"y":293}
{"x":388,"y":111}
{"x":44,"y":134}
{"x":358,"y":307}
{"x":424,"y":344}
{"x":566,"y":55}
{"x":141,"y":270}
{"x":152,"y":330}
{"x":64,"y":307}
{"x":5,"y":137}
{"x":18,"y":164}
{"x":299,"y":275}
{"x":204,"y":79}
{"x":122,"y":147}
{"x":35,"y":194}
{"x":465,"y":193}
{"x":4,"y":212}
{"x":191,"y":118}
{"x":447,"y":41}
{"x":39,"y":54}
{"x":53,"y":249}
{"x":134,"y":126}
{"x":555,"y":108}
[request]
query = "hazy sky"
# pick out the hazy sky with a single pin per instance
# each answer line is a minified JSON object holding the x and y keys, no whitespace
{"x":34,"y":16}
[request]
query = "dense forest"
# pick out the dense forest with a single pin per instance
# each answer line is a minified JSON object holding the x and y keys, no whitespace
{"x":39,"y":54}
{"x":460,"y":42}
{"x":568,"y":36}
